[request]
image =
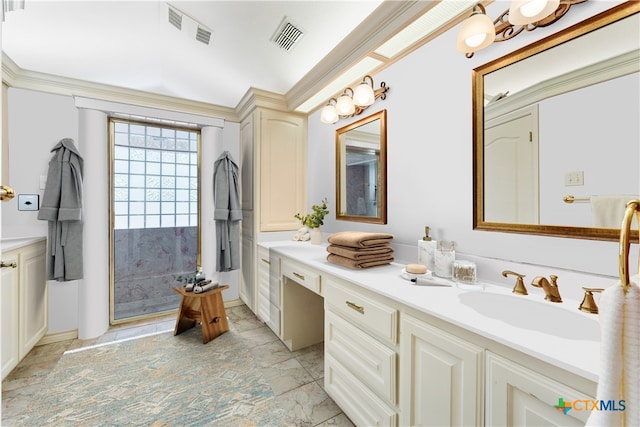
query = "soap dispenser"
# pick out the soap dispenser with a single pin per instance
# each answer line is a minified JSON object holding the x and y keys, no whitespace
{"x":426,"y":250}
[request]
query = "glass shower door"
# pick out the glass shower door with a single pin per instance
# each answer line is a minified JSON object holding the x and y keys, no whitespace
{"x":155,"y":216}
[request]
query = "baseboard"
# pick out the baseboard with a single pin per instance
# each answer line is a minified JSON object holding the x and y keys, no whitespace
{"x":73,"y":334}
{"x":58,"y":336}
{"x":233,"y":303}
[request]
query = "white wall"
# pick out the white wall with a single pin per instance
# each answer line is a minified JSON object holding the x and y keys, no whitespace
{"x":429,"y":175}
{"x":36,"y":122}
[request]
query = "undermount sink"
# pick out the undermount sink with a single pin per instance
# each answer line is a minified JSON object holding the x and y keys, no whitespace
{"x":527,"y":313}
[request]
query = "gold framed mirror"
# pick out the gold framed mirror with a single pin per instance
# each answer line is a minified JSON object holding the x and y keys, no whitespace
{"x":555,"y":131}
{"x":361,"y":170}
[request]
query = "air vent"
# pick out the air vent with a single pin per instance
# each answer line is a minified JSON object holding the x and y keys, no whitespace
{"x":175,"y":18}
{"x":203,"y":35}
{"x":287,"y":35}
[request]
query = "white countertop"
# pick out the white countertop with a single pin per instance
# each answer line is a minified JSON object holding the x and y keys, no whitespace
{"x":10,"y":244}
{"x":559,"y":334}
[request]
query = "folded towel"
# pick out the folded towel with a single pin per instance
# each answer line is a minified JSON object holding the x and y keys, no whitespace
{"x":608,"y":211}
{"x":360,"y":253}
{"x":619,"y":356}
{"x":204,"y":286}
{"x":358,"y":264}
{"x":359,"y":239}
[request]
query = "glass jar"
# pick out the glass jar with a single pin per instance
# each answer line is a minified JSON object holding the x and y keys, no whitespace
{"x":464,"y":271}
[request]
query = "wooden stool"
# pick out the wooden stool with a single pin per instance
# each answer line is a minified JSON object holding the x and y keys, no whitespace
{"x":206,"y":308}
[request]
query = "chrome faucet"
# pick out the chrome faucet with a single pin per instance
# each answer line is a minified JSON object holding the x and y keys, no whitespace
{"x":550,"y":288}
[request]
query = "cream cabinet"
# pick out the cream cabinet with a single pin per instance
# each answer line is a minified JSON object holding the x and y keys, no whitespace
{"x":519,"y":396}
{"x":273,"y":159}
{"x":361,"y":359}
{"x":24,"y":302}
{"x":263,"y":303}
{"x":440,"y":377}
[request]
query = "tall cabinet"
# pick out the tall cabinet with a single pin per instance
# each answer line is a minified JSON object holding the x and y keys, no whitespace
{"x":24,"y":302}
{"x":273,"y":163}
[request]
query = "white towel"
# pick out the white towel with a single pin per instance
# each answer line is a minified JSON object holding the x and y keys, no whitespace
{"x":608,"y":211}
{"x":619,"y":377}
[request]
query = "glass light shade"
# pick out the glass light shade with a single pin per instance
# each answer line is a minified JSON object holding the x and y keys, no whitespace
{"x":345,"y":106}
{"x":329,"y":114}
{"x":476,"y":33}
{"x":523,"y":12}
{"x":363,"y":95}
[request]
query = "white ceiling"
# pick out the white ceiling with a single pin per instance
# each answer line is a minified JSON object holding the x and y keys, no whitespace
{"x":130,"y":44}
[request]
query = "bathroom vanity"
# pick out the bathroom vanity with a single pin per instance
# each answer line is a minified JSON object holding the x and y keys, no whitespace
{"x":401,"y":354}
{"x":24,"y":298}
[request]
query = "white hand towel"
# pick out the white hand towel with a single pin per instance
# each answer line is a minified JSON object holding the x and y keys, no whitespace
{"x":619,"y":375}
{"x":608,"y":211}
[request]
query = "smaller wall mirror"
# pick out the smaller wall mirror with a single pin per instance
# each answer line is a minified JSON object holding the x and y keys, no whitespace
{"x":361,"y":170}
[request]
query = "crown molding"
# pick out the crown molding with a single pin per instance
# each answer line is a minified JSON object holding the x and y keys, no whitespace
{"x":14,"y":76}
{"x":258,"y":98}
{"x":385,"y":21}
{"x":599,"y":72}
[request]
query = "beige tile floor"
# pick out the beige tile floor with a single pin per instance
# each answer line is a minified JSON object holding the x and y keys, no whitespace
{"x":295,"y":377}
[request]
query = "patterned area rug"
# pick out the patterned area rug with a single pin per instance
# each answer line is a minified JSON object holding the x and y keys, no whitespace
{"x":159,"y":380}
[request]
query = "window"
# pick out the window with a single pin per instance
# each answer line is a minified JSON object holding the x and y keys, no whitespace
{"x":155,"y":176}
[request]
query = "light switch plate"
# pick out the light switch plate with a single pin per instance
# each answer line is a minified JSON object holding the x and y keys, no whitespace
{"x":28,"y":202}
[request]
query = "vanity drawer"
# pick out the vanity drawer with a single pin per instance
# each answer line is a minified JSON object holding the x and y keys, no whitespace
{"x":361,"y":405}
{"x":378,"y":318}
{"x":308,"y":278}
{"x":365,"y":357}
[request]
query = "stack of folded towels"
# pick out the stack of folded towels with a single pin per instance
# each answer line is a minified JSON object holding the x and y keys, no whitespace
{"x":359,"y":249}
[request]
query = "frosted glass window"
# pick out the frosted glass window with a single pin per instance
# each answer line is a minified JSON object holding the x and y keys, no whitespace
{"x":137,"y":181}
{"x":153,"y":168}
{"x":155,"y":176}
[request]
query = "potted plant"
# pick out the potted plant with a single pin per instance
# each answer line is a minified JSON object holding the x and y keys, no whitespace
{"x":314,"y":220}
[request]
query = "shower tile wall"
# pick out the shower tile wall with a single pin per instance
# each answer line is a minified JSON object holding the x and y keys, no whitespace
{"x":146,"y":263}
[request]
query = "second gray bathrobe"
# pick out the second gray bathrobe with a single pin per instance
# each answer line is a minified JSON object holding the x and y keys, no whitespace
{"x":227,"y":212}
{"x":62,"y":207}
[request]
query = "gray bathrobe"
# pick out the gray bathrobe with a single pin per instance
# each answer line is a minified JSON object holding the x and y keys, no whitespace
{"x":62,"y":207}
{"x":227,"y":212}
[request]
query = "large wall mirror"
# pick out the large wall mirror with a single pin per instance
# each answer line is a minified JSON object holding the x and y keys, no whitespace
{"x":361,"y":170}
{"x":556,"y":135}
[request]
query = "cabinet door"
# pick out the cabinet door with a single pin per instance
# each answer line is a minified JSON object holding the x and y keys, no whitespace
{"x":440,"y":377}
{"x":10,"y":315}
{"x":263,"y":303}
{"x":247,"y":289}
{"x":33,"y":296}
{"x":275,"y":287}
{"x":283,"y":160}
{"x":518,"y":396}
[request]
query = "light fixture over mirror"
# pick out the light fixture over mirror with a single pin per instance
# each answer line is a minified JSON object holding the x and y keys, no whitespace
{"x":353,"y":102}
{"x":555,"y":122}
{"x":479,"y":31}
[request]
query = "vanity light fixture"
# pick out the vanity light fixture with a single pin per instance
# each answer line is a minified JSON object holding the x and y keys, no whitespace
{"x":475,"y":32}
{"x":353,"y":102}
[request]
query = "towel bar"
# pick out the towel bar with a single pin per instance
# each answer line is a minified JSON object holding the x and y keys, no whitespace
{"x":570,"y":199}
{"x":623,"y":257}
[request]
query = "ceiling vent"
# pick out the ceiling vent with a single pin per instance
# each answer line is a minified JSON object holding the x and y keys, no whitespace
{"x":287,"y":35}
{"x":188,"y":25}
{"x":175,"y":17}
{"x":203,"y":35}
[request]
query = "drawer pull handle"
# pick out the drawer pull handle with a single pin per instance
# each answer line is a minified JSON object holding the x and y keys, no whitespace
{"x":8,"y":264}
{"x":298,"y":275}
{"x":266,"y":260}
{"x":357,"y":308}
